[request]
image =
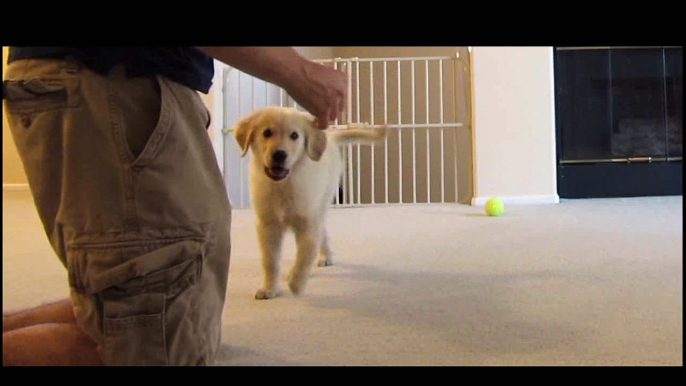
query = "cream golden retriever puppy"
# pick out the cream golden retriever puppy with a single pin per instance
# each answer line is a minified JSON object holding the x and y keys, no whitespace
{"x":295,"y":171}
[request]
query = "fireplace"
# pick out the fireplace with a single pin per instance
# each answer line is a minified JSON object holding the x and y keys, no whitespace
{"x":619,"y":121}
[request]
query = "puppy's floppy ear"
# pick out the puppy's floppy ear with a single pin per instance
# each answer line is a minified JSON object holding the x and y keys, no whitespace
{"x":244,"y":132}
{"x":316,"y":143}
{"x":315,"y":139}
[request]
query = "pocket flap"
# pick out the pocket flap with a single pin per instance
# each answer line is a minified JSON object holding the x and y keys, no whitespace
{"x":40,"y":94}
{"x":30,"y":89}
{"x":132,"y":265}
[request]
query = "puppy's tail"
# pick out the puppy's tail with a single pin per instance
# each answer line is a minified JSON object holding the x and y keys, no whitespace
{"x":359,"y":133}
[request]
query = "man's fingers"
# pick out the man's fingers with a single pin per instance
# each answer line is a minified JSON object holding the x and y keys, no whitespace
{"x":323,"y":121}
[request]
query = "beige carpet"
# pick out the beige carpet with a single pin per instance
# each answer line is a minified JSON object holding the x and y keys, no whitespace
{"x":590,"y":282}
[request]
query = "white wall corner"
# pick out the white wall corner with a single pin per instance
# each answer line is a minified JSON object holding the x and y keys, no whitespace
{"x":473,"y":125}
{"x":513,"y":119}
{"x":553,"y":118}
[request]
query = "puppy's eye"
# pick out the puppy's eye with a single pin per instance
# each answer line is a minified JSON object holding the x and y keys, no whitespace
{"x":267,"y":133}
{"x":294,"y":136}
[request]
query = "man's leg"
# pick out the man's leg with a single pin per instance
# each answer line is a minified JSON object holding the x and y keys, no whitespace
{"x":46,"y":110}
{"x":60,"y":312}
{"x":50,"y":344}
{"x":143,"y":232}
{"x":46,"y":335}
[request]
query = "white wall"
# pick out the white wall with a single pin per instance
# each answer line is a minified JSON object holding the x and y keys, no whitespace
{"x":513,"y":119}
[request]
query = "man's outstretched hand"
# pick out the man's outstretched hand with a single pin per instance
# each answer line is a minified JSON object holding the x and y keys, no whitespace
{"x":319,"y":89}
{"x":322,"y":92}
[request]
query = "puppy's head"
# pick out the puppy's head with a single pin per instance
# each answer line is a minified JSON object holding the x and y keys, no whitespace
{"x":279,"y":138}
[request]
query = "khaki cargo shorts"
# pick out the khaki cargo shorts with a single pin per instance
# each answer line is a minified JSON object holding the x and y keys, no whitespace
{"x":128,"y":189}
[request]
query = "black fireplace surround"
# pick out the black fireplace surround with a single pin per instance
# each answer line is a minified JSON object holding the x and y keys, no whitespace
{"x":619,"y":113}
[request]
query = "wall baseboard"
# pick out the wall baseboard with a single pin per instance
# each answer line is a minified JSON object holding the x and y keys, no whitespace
{"x":520,"y":200}
{"x":15,"y":187}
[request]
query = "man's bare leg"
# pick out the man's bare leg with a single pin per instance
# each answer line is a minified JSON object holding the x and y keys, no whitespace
{"x":58,"y":312}
{"x":51,"y":344}
{"x":46,"y":335}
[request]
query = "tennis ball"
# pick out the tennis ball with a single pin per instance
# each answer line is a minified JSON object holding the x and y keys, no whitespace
{"x":494,"y":207}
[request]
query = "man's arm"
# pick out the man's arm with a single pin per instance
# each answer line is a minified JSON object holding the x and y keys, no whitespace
{"x":319,"y":89}
{"x":277,"y":65}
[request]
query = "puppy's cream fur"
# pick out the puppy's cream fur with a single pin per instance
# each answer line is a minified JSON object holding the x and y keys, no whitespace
{"x":299,"y":200}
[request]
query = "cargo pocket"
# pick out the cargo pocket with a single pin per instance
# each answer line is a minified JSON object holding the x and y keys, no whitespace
{"x":138,"y":339}
{"x":134,"y":284}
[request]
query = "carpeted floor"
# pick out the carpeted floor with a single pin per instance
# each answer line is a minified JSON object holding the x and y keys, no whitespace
{"x":588,"y":282}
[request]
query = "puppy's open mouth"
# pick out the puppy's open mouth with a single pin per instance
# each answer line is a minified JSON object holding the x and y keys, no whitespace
{"x":276,"y":173}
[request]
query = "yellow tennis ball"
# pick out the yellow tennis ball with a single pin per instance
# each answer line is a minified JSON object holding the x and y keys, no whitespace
{"x":494,"y":207}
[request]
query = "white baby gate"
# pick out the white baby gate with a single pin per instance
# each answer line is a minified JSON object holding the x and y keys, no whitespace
{"x":413,"y":95}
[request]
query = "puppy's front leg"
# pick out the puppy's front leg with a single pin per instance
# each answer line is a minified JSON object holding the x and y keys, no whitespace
{"x":270,"y":238}
{"x":307,"y":238}
{"x":325,"y":252}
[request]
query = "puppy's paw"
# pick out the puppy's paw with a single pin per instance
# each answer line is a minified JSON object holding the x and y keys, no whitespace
{"x":263,"y":294}
{"x":325,"y":261}
{"x":296,"y":284}
{"x":296,"y":287}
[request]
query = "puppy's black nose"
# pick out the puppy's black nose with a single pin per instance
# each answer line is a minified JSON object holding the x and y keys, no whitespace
{"x":279,"y":156}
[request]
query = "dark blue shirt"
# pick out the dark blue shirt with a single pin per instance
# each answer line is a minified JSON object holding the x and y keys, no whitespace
{"x":189,"y":66}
